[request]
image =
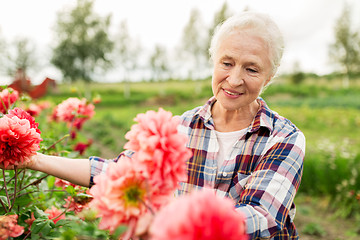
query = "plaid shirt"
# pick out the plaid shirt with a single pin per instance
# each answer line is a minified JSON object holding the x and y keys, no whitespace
{"x":261,"y":174}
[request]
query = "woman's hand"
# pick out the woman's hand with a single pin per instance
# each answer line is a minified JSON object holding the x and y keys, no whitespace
{"x":27,"y":164}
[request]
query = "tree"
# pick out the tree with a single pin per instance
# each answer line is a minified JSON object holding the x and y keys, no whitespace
{"x":127,"y":51}
{"x":219,"y":17}
{"x":298,"y":76}
{"x":345,"y":50}
{"x":83,"y":45}
{"x":2,"y":51}
{"x":20,"y":55}
{"x":193,"y":43}
{"x":158,"y":62}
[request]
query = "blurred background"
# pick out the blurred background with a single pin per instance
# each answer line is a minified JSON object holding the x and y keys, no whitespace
{"x":139,"y":55}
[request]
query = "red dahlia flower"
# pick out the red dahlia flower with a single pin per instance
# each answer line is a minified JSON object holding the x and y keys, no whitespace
{"x":19,"y":137}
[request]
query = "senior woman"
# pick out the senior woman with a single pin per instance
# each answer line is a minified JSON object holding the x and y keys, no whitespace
{"x":241,"y":148}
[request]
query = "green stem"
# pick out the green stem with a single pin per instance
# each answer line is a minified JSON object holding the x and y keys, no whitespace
{"x":5,"y":186}
{"x":3,"y":205}
{"x":10,"y":180}
{"x":61,"y":139}
{"x":34,"y":182}
{"x":14,"y":198}
{"x":23,"y":194}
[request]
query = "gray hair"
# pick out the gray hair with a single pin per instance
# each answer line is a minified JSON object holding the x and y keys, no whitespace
{"x":259,"y":23}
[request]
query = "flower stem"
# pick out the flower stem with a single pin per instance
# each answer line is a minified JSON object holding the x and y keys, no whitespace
{"x":61,"y":139}
{"x":5,"y":186}
{"x":15,"y":184}
{"x":22,"y":170}
{"x":34,"y":182}
{"x":3,"y":205}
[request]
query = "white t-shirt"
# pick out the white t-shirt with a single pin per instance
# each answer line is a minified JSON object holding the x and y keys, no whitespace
{"x":226,"y":141}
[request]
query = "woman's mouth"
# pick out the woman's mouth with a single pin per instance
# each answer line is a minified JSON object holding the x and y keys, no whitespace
{"x":231,"y":94}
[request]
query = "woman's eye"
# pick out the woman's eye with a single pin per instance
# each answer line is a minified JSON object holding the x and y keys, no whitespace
{"x":227,"y":64}
{"x":252,"y":70}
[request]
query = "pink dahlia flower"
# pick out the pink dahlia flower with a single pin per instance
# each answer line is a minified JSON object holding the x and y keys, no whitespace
{"x":119,"y":194}
{"x":200,"y":215}
{"x":75,"y":111}
{"x":9,"y":227}
{"x":19,"y":137}
{"x":55,"y":214}
{"x":8,"y":97}
{"x":160,"y":150}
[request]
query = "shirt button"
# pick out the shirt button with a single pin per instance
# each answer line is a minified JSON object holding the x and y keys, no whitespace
{"x":224,"y":174}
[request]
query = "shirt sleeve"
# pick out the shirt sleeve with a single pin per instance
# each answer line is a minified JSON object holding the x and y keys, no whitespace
{"x":99,"y":165}
{"x":270,"y":190}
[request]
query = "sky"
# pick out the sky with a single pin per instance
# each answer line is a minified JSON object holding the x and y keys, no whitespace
{"x":307,"y":25}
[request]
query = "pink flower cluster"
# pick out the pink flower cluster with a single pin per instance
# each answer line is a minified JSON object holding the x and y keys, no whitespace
{"x":19,"y":137}
{"x":131,"y":188}
{"x":161,"y":151}
{"x":8,"y":96}
{"x":9,"y":227}
{"x":75,"y":111}
{"x":200,"y":215}
{"x":119,"y":194}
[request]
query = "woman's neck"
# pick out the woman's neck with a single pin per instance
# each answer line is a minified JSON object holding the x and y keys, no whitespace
{"x":233,"y":120}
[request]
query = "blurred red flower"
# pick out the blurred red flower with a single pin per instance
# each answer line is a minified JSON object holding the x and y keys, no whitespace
{"x":63,"y":183}
{"x":55,"y":214}
{"x":33,"y":109}
{"x":9,"y":227}
{"x":201,"y":215}
{"x":75,"y":111}
{"x":8,"y":96}
{"x":81,"y":147}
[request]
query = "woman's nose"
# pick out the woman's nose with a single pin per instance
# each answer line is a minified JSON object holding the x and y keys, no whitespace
{"x":236,"y":77}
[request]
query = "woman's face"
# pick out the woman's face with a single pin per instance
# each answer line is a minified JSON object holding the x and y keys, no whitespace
{"x":242,"y":68}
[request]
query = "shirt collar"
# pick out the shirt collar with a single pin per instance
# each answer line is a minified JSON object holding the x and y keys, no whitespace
{"x":263,"y":118}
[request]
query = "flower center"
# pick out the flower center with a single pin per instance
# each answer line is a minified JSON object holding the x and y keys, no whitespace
{"x":133,"y":195}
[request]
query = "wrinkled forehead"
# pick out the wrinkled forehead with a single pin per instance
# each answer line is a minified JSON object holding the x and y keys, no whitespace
{"x":251,"y":34}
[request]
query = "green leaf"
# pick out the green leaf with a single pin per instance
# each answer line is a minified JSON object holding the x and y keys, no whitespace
{"x":4,"y":200}
{"x":40,"y":225}
{"x":119,"y":230}
{"x":40,"y":214}
{"x":51,"y":181}
{"x":71,"y":190}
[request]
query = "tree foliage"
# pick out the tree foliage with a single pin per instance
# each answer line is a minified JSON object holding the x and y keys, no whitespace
{"x":20,"y":55}
{"x":83,"y":43}
{"x":219,"y":17}
{"x":158,"y":62}
{"x":345,"y":51}
{"x":127,"y":52}
{"x":193,"y":42}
